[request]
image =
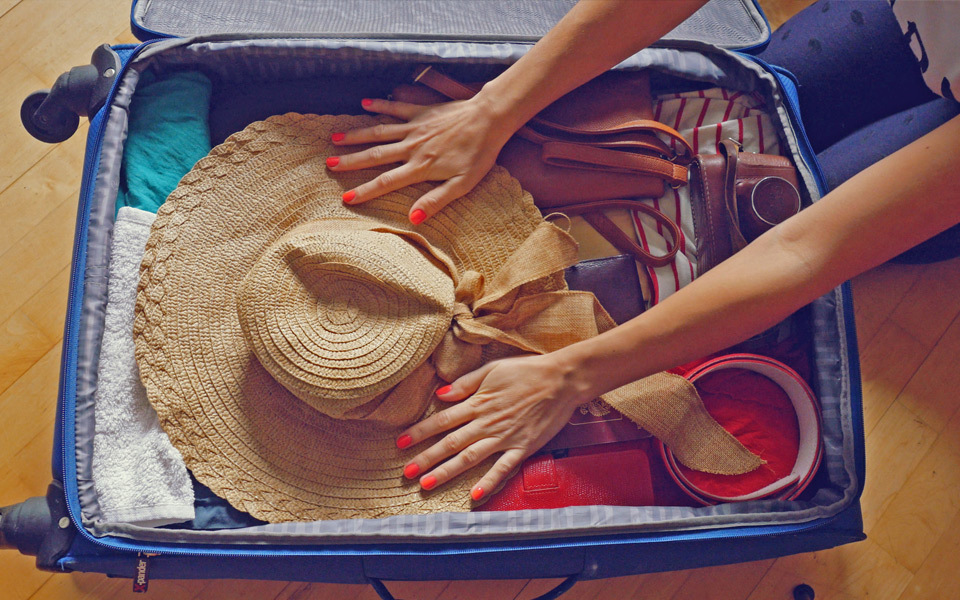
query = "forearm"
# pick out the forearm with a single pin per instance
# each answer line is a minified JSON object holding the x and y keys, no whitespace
{"x":895,"y":204}
{"x":593,"y":37}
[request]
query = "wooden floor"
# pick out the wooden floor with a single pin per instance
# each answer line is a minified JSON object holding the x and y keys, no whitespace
{"x":906,"y":316}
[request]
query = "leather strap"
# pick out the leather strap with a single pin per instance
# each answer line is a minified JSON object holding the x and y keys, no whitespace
{"x":599,"y":155}
{"x":731,"y":150}
{"x":592,"y":213}
{"x":581,"y":156}
{"x":455,"y":90}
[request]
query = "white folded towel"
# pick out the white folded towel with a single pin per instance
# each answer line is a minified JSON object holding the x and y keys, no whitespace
{"x":139,"y":476}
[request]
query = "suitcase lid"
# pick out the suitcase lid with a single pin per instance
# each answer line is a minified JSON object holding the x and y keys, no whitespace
{"x":730,"y":24}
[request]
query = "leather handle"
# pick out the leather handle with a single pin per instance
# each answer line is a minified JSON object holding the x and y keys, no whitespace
{"x":449,"y":87}
{"x":567,"y":154}
{"x":455,"y":90}
{"x":592,"y":214}
{"x":562,"y":588}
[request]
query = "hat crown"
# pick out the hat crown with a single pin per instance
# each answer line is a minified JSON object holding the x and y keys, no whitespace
{"x":339,"y":313}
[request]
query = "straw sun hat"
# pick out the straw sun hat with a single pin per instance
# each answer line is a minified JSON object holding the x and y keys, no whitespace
{"x":286,"y":339}
{"x":282,"y":336}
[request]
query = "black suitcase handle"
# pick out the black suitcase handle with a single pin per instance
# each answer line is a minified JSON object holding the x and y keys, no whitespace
{"x":562,"y":588}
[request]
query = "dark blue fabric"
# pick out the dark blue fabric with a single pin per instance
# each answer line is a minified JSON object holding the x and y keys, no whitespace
{"x":857,"y":151}
{"x":853,"y":65}
{"x":213,"y":512}
{"x":861,"y":92}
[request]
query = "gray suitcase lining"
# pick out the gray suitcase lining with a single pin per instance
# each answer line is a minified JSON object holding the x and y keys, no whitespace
{"x":721,"y":23}
{"x":275,"y":59}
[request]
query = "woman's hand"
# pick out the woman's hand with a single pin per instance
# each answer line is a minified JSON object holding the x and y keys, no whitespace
{"x":514,"y":406}
{"x":455,"y":143}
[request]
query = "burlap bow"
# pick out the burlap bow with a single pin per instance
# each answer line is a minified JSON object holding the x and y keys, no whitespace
{"x":512,"y":309}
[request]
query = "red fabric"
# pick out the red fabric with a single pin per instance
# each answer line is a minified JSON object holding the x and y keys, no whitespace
{"x":757,"y":412}
{"x":612,"y":474}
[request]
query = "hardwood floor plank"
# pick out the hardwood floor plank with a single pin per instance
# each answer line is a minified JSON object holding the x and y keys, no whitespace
{"x":38,"y":191}
{"x":28,"y":472}
{"x":503,"y":589}
{"x":779,"y":585}
{"x":653,"y":586}
{"x":48,"y":307}
{"x":536,"y":588}
{"x":937,"y":577}
{"x":69,"y":32}
{"x":22,"y":344}
{"x":923,"y":311}
{"x":316,"y":591}
{"x":730,"y":581}
{"x":882,"y":379}
{"x":923,"y":507}
{"x":861,"y":570}
{"x":931,"y":393}
{"x":20,"y":151}
{"x":876,"y":294}
{"x":38,"y":258}
{"x":902,"y":440}
{"x":20,"y":576}
{"x":6,"y":5}
{"x":28,"y":407}
{"x":81,"y":586}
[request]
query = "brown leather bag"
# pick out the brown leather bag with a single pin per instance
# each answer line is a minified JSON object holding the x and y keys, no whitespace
{"x":736,"y":196}
{"x":586,"y":152}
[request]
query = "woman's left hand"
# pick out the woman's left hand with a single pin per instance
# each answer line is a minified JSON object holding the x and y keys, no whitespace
{"x":514,"y":406}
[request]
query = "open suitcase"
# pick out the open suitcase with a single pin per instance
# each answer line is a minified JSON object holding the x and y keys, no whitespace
{"x":380,"y":43}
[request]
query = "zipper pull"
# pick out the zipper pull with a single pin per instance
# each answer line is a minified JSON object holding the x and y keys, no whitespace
{"x":141,"y":578}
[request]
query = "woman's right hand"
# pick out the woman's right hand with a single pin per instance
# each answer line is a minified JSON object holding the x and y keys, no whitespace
{"x":455,"y":143}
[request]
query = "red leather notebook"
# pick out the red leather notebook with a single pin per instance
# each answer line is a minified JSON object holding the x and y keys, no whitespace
{"x":612,"y":475}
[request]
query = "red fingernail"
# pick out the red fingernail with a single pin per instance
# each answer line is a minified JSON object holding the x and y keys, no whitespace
{"x":417,"y":216}
{"x":411,"y":470}
{"x":366,"y":102}
{"x":477,"y":493}
{"x":444,"y":390}
{"x":428,"y":482}
{"x":338,"y":137}
{"x":403,"y":441}
{"x":333,"y":161}
{"x":349,"y":196}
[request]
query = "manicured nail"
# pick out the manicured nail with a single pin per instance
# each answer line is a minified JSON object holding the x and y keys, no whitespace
{"x":349,"y":196}
{"x":477,"y":493}
{"x":417,"y":216}
{"x":333,"y":161}
{"x":428,"y":482}
{"x":366,"y":102}
{"x":338,"y":137}
{"x":403,"y":441}
{"x":411,"y":470}
{"x":444,"y":390}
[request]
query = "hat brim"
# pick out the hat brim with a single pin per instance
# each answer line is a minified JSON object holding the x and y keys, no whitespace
{"x":240,"y":432}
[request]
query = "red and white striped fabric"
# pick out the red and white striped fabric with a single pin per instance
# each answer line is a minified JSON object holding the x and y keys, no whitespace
{"x":704,"y":118}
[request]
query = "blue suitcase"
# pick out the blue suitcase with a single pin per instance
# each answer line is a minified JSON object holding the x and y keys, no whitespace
{"x":345,"y":38}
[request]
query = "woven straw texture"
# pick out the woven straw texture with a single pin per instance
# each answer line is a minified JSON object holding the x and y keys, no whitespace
{"x":241,"y":432}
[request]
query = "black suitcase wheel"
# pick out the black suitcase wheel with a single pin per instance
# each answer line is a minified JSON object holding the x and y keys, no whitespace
{"x":51,"y":127}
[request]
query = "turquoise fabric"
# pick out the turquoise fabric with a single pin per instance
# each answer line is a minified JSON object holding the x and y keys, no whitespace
{"x":168,"y":133}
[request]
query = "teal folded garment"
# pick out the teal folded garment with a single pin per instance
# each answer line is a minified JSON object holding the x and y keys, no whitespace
{"x":168,"y":133}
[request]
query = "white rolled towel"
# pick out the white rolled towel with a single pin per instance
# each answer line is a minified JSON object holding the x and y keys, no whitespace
{"x":140,"y":478}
